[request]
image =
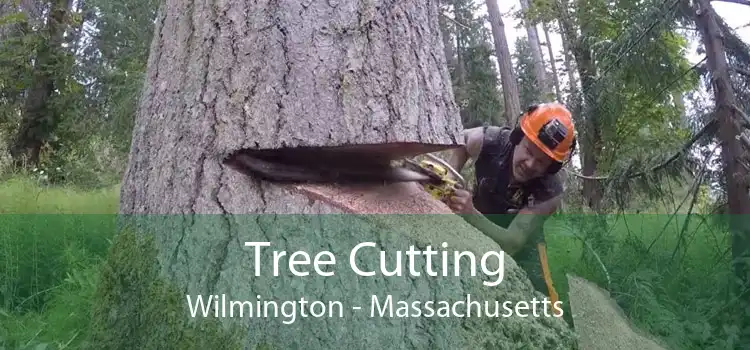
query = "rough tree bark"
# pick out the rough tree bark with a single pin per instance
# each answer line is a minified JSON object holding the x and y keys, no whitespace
{"x":511,"y":98}
{"x":236,"y":74}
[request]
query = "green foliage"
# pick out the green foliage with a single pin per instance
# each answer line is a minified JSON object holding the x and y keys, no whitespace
{"x":528,"y":89}
{"x":155,"y":316}
{"x":57,"y":271}
{"x":15,"y":70}
{"x":669,"y":274}
{"x":33,"y":249}
{"x":637,"y":68}
{"x":96,"y":87}
{"x":89,"y":116}
{"x":118,"y":64}
{"x":475,"y":80}
{"x":482,"y":98}
{"x":64,"y":321}
{"x":48,"y":263}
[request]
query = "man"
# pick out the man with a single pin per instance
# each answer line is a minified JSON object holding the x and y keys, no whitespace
{"x":516,"y":174}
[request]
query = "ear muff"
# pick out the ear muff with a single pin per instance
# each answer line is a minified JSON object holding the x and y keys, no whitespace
{"x":556,"y":166}
{"x":516,"y":135}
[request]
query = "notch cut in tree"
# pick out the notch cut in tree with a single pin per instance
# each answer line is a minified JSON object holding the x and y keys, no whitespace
{"x":281,"y":77}
{"x":287,"y":74}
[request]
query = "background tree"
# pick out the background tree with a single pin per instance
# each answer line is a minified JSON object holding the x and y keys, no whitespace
{"x":535,"y":48}
{"x":530,"y":91}
{"x":502,"y":53}
{"x":475,"y":84}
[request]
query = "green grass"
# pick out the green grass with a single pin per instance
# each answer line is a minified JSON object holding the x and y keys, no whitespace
{"x":678,"y":295}
{"x":48,"y":263}
{"x":20,"y":195}
{"x":49,"y":268}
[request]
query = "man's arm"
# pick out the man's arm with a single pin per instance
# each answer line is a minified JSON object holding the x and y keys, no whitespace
{"x":511,"y":240}
{"x":529,"y":219}
{"x":473,"y":139}
{"x":532,"y":218}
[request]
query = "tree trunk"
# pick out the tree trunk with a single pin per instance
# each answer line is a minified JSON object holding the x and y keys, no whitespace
{"x":293,"y":74}
{"x":38,"y":119}
{"x":507,"y":77}
{"x":540,"y":72}
{"x":591,"y":139}
{"x":572,"y":81}
{"x":447,"y":41}
{"x":375,"y":87}
{"x":732,"y":152}
{"x":679,"y":102}
{"x":553,"y":64}
{"x":460,"y":62}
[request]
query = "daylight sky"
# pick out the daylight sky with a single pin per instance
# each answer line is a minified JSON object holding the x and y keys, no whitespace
{"x":735,"y":15}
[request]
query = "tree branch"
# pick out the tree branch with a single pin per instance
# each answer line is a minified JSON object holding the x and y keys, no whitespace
{"x":744,"y":72}
{"x":708,"y":128}
{"x":745,"y":118}
{"x":741,"y":2}
{"x":453,"y":20}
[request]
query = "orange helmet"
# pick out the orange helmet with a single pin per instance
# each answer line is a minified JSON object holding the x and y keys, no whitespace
{"x":550,"y":127}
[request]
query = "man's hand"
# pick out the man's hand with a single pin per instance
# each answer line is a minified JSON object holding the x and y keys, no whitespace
{"x":461,"y":202}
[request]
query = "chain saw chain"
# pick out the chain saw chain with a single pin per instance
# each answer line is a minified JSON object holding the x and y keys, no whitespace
{"x":332,"y":165}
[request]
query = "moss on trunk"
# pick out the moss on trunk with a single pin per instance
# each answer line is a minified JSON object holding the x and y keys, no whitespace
{"x":134,"y":308}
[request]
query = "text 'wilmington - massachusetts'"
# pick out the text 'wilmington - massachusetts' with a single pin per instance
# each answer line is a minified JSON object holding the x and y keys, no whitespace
{"x":221,"y":306}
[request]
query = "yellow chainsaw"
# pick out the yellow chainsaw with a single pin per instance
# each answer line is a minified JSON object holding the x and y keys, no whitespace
{"x":444,"y":179}
{"x":345,"y":165}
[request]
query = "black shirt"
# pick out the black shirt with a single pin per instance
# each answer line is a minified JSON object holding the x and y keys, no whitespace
{"x":494,"y":195}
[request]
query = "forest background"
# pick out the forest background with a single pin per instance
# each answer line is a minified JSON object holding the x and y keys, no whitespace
{"x":635,"y":73}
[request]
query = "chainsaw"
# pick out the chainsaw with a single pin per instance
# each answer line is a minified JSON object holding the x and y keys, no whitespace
{"x":338,"y":165}
{"x":445,"y":180}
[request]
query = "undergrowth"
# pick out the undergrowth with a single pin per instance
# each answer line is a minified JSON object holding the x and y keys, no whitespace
{"x":50,"y":264}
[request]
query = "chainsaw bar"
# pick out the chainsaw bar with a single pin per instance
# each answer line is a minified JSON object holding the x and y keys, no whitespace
{"x":321,"y":168}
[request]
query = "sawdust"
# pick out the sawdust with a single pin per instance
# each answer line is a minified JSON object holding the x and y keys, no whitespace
{"x":396,"y":198}
{"x":394,"y":232}
{"x":599,"y":321}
